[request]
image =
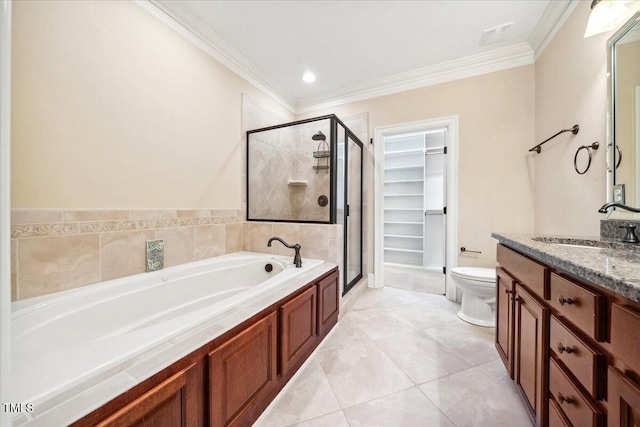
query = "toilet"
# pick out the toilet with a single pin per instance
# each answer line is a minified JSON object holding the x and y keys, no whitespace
{"x":478,"y":287}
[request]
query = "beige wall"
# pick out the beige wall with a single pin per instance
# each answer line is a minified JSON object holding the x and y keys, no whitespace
{"x":570,"y":89}
{"x":112,"y":109}
{"x":496,"y":126}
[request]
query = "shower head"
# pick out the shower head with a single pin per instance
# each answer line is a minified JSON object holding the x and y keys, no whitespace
{"x":319,"y":137}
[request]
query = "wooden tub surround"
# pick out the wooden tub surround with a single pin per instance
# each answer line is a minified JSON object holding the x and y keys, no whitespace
{"x":233,"y":378}
{"x":572,"y":346}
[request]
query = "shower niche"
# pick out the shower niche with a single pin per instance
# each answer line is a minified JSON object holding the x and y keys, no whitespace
{"x":309,"y":171}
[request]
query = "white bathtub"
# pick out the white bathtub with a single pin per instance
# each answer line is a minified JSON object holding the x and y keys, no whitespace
{"x":61,"y":339}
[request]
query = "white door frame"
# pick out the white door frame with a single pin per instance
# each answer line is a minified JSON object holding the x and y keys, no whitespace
{"x":451,"y":255}
{"x":5,"y":209}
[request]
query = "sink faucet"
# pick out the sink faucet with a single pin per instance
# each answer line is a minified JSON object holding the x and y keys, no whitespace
{"x":296,"y":258}
{"x":606,"y":207}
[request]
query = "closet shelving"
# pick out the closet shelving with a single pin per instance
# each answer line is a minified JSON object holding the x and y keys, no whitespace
{"x":413,"y":200}
{"x":404,"y":201}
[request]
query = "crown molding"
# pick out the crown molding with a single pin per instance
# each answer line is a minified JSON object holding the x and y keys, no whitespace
{"x":470,"y":66}
{"x":172,"y":14}
{"x":552,"y":19}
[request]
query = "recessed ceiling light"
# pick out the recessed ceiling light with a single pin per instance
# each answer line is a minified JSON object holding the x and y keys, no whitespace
{"x":308,"y":77}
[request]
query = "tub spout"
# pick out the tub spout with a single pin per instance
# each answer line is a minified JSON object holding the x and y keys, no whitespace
{"x":297,"y":260}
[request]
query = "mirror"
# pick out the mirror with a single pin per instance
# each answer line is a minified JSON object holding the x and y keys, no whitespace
{"x":624,"y":116}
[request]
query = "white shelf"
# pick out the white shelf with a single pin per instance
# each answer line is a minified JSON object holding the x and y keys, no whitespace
{"x":412,"y":251}
{"x":403,"y":195}
{"x":404,"y":222}
{"x":399,"y":181}
{"x":397,"y":168}
{"x":404,"y":237}
{"x":387,"y":153}
{"x":404,"y":209}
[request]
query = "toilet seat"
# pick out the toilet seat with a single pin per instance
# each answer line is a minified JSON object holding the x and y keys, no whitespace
{"x":487,"y":276}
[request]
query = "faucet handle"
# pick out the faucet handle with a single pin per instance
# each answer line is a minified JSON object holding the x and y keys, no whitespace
{"x":630,"y":236}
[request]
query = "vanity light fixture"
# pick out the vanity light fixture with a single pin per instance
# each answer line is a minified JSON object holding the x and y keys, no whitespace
{"x":607,"y":15}
{"x":308,"y":77}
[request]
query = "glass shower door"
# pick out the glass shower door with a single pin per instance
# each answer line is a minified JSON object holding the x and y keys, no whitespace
{"x":353,"y":213}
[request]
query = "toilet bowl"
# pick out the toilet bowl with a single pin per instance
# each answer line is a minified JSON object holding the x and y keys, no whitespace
{"x":478,"y":287}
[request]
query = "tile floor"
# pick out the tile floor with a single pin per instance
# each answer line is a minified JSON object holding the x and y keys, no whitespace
{"x":401,"y":358}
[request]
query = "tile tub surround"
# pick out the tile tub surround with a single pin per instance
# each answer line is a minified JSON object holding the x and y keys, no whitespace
{"x":59,"y":249}
{"x":434,"y":370}
{"x":319,"y":241}
{"x":612,"y":268}
{"x":89,"y":395}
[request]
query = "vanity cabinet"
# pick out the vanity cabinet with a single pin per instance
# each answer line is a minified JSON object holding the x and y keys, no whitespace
{"x":531,"y":335}
{"x":233,"y":378}
{"x":505,"y":289}
{"x":576,"y":355}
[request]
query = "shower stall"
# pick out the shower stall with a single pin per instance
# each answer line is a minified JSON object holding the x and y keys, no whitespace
{"x":309,"y":171}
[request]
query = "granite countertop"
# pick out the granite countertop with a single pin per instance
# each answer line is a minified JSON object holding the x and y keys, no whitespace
{"x":605,"y":262}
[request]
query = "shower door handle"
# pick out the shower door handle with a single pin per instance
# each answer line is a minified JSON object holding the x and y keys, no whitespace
{"x":347,"y":210}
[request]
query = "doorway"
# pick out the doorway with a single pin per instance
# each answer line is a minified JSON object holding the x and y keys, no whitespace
{"x":416,"y":188}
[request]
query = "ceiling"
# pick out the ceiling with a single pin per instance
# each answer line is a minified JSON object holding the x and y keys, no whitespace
{"x":359,"y":49}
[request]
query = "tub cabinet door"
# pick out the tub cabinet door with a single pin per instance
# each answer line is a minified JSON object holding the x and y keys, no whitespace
{"x":531,"y":352}
{"x":242,"y":373}
{"x":299,"y":333}
{"x":174,"y":402}
{"x":328,"y":303}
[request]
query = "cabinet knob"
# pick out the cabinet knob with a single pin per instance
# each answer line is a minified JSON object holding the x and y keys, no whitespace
{"x":562,"y":349}
{"x":562,"y":300}
{"x":517,"y":299}
{"x":508,"y":291}
{"x":563,"y":399}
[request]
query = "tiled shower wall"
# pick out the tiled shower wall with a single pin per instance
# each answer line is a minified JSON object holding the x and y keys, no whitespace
{"x":58,"y":249}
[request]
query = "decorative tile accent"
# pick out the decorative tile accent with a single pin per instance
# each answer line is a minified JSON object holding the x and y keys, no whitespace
{"x":187,"y":222}
{"x":158,"y":223}
{"x":36,"y":230}
{"x":98,"y":227}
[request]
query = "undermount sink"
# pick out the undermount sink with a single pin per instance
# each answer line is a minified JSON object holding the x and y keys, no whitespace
{"x":585,"y":243}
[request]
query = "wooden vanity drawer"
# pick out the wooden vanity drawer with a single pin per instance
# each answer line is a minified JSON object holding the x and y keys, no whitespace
{"x":578,"y":407}
{"x":527,"y":272}
{"x":556,"y":417}
{"x":579,"y":305}
{"x":625,"y":338}
{"x":586,"y":363}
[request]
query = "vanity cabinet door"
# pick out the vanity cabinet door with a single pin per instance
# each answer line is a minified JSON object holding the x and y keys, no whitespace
{"x":505,"y":288}
{"x":174,"y":402}
{"x":328,"y":303}
{"x":298,"y":317}
{"x":242,"y":373}
{"x":531,"y":352}
{"x":624,"y":401}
